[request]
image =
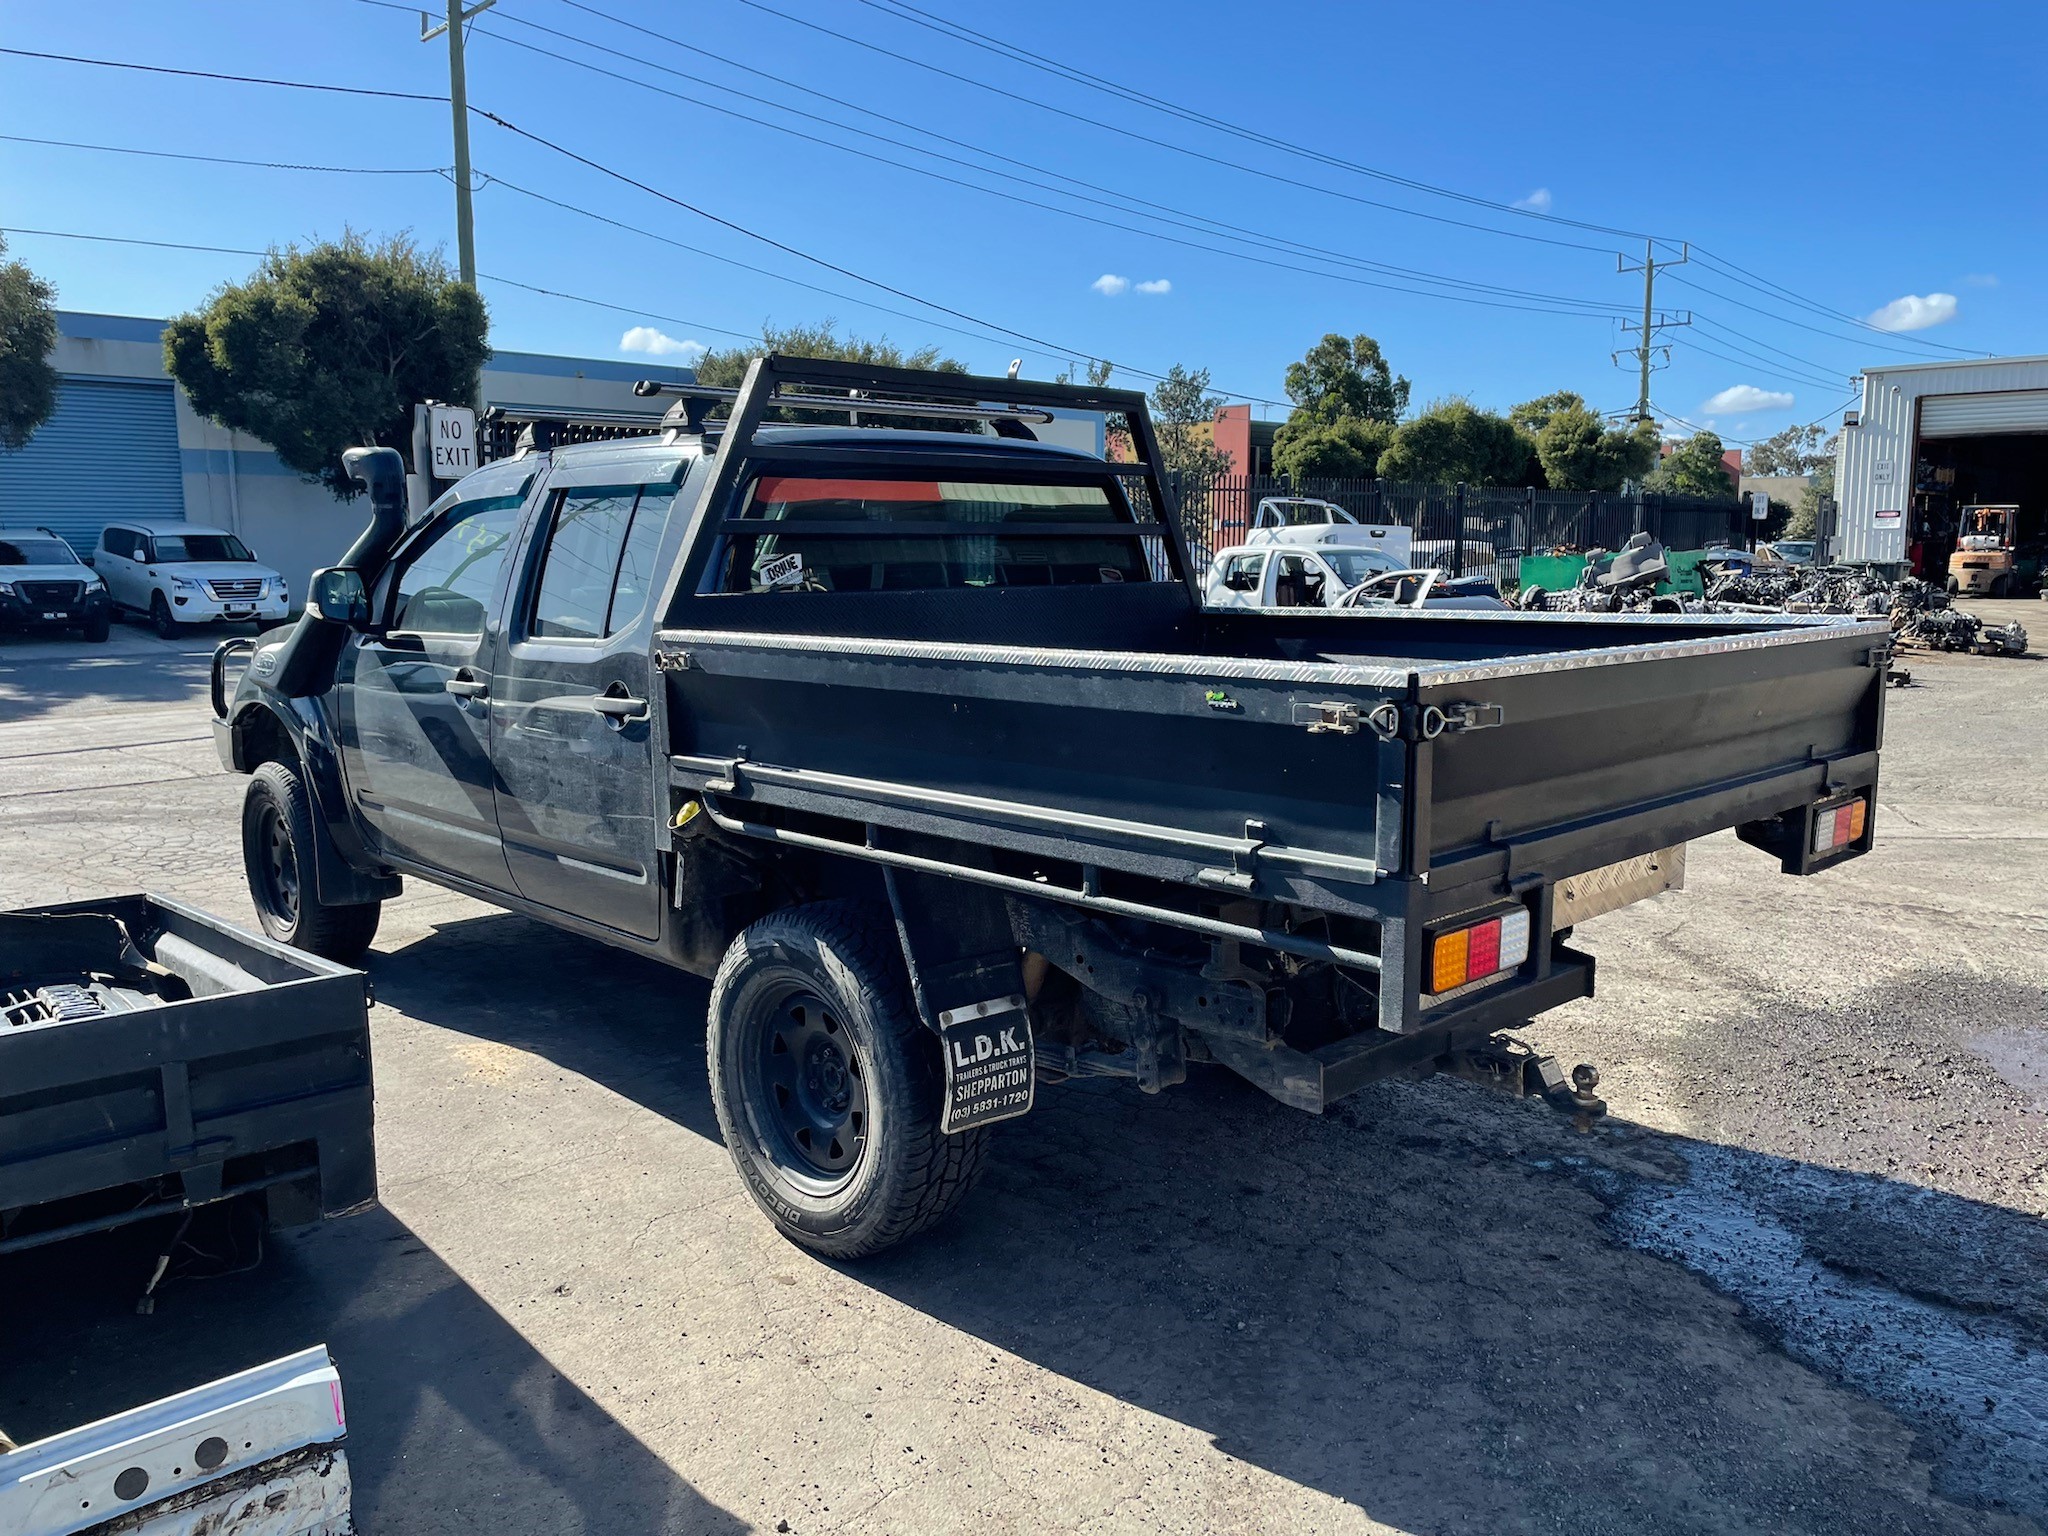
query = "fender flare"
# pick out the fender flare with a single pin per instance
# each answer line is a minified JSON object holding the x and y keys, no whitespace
{"x":345,"y":872}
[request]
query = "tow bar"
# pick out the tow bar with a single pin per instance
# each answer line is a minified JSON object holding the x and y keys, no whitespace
{"x":1503,"y":1062}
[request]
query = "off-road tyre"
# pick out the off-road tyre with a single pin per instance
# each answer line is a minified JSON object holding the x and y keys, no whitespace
{"x":160,"y":617}
{"x":277,"y":856}
{"x":95,"y":630}
{"x":828,"y":977}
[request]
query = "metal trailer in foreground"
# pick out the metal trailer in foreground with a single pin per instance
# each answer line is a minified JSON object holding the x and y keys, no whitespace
{"x":154,"y":1059}
{"x":259,"y":1453}
{"x":923,"y":745}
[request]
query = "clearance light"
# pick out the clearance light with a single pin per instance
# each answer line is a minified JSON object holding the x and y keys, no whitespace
{"x":1485,"y":949}
{"x":1838,"y":826}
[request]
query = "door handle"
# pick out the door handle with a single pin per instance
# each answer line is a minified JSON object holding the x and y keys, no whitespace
{"x":619,"y":707}
{"x":467,"y":687}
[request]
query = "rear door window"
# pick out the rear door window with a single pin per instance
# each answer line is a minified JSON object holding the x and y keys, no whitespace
{"x":598,"y":568}
{"x":803,"y":533}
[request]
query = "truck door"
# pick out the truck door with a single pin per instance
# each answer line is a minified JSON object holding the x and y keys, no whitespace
{"x":579,"y":793}
{"x":413,"y":698}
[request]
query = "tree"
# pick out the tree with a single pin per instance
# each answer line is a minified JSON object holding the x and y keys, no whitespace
{"x":1694,"y":468}
{"x":1578,"y":450}
{"x":1340,"y":450}
{"x":1184,"y":418}
{"x":1804,"y":523}
{"x":28,"y":333}
{"x":1098,"y":372}
{"x":331,"y":347}
{"x":1453,"y":440}
{"x":1794,"y":451}
{"x":1342,"y":380}
{"x":725,"y":368}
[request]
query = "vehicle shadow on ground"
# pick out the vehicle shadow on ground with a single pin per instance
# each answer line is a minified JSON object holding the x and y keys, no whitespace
{"x":1439,"y":1305}
{"x":34,"y":679}
{"x":455,"y":1421}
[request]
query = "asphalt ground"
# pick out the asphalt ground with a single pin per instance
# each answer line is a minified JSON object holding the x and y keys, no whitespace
{"x":1798,"y":1281}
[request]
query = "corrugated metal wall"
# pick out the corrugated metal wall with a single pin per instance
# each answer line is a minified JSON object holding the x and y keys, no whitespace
{"x":1874,"y":467}
{"x":110,"y":451}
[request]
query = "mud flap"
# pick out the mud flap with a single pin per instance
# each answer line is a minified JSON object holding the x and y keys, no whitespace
{"x":991,"y":1063}
{"x":969,"y":986}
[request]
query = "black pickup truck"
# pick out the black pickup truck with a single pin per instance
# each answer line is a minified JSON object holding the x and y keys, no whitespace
{"x":922,"y":744}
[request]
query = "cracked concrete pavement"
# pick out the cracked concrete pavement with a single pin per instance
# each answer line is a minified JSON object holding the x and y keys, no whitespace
{"x":1794,"y":1285}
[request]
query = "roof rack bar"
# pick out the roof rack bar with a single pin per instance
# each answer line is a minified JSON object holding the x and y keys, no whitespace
{"x":695,"y":402}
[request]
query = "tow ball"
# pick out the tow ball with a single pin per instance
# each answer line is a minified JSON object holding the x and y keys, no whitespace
{"x":1503,"y":1062}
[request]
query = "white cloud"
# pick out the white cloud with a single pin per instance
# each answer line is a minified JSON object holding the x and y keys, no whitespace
{"x":1746,"y":397}
{"x":1981,"y":279}
{"x":1155,"y":285}
{"x":1109,"y":285}
{"x":1916,"y":312}
{"x":645,"y":338}
{"x":1536,"y":202}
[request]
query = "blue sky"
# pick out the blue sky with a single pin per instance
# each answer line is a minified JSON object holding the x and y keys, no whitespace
{"x":1876,"y":159}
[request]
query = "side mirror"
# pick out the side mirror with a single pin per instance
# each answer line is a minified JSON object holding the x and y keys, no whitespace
{"x":338,"y":593}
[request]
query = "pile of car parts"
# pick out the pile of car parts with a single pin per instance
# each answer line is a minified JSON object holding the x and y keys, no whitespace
{"x":1919,"y":611}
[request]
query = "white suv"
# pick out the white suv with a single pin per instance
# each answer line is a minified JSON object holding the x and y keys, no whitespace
{"x":184,"y":573}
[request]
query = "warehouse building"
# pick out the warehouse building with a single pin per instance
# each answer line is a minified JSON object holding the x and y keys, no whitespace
{"x":125,"y":444}
{"x":1932,"y":439}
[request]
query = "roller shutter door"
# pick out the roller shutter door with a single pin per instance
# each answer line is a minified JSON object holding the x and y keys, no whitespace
{"x":109,"y":453}
{"x":2015,"y":410}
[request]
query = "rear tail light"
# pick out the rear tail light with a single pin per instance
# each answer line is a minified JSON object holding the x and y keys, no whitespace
{"x":1837,"y":826}
{"x":1474,"y":953}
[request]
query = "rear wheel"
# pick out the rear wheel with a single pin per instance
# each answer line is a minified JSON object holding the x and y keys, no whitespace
{"x":160,"y":616}
{"x":829,"y":1088}
{"x":1954,"y":587}
{"x":2000,"y":586}
{"x":277,"y":856}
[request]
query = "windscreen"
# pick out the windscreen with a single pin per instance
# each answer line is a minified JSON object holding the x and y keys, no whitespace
{"x":803,"y":533}
{"x":36,"y":552}
{"x":179,"y":548}
{"x":1355,"y":565}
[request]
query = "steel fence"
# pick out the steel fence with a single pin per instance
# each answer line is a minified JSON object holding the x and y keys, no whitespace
{"x":1469,"y":530}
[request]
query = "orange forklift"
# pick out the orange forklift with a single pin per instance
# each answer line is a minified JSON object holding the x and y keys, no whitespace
{"x":1986,"y":562}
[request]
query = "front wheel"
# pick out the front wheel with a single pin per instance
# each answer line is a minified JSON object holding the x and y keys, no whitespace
{"x":829,"y":1088}
{"x":160,"y":618}
{"x":277,"y":856}
{"x":96,"y":628}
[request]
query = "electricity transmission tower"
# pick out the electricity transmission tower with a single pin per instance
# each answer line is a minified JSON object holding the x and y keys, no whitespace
{"x":1654,"y":323}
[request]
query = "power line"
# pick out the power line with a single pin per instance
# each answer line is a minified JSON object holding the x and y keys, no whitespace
{"x":267,"y":165}
{"x":1770,"y":371}
{"x":208,"y":74}
{"x":1721,"y":326}
{"x":1802,"y":325}
{"x":902,"y":293}
{"x":1763,"y":284}
{"x":623,"y":309}
{"x":956,"y":33}
{"x":162,"y":245}
{"x":1548,"y":303}
{"x":903,"y":11}
{"x":1048,"y":346}
{"x":746,"y":266}
{"x":1179,"y":149}
{"x":1121,"y":202}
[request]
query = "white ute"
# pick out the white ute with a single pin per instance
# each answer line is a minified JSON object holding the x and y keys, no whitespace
{"x":1330,"y":577}
{"x":1304,"y":520}
{"x":186,"y":573}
